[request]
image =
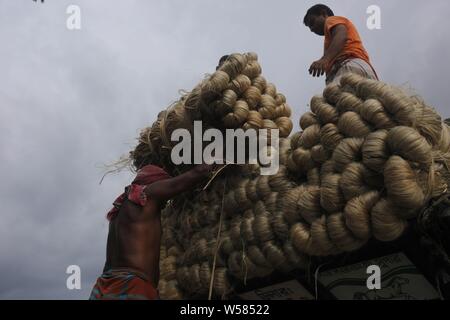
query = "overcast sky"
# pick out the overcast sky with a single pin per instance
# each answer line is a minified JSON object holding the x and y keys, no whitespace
{"x":71,"y":101}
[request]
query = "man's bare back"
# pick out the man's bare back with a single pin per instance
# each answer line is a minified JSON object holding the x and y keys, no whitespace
{"x":134,"y":237}
{"x":134,"y":240}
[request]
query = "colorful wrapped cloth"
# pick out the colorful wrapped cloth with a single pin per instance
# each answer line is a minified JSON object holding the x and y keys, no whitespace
{"x":123,"y":284}
{"x":135,"y":192}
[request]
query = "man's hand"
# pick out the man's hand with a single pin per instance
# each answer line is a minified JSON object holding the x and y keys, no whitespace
{"x":319,"y":67}
{"x":338,"y":40}
{"x":164,"y":190}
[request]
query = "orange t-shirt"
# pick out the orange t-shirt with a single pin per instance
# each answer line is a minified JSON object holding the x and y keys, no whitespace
{"x":353,"y":47}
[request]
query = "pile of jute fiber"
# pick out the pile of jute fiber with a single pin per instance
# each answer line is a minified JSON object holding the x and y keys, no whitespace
{"x":368,"y":159}
{"x":235,"y":96}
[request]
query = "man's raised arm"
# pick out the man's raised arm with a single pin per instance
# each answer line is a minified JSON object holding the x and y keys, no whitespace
{"x":164,"y":190}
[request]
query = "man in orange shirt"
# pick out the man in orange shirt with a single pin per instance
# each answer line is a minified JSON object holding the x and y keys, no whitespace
{"x":343,"y":50}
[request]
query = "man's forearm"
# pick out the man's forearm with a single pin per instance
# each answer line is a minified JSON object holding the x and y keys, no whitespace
{"x":167,"y":189}
{"x":185,"y":181}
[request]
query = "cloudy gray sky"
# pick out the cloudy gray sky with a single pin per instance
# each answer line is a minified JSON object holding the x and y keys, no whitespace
{"x":71,"y":101}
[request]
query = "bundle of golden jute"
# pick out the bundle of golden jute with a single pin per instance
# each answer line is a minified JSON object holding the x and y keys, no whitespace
{"x":369,"y":158}
{"x":235,"y":96}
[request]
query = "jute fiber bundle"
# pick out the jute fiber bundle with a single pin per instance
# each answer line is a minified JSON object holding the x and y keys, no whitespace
{"x":368,"y":159}
{"x":235,"y":96}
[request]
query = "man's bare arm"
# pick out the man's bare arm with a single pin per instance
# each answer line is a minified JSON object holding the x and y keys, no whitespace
{"x":339,"y":38}
{"x":166,"y":189}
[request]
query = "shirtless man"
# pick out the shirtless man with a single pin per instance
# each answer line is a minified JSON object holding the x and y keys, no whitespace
{"x":132,"y":259}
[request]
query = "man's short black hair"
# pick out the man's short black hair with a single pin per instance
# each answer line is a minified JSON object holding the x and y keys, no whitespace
{"x":317,"y":10}
{"x":222,"y":60}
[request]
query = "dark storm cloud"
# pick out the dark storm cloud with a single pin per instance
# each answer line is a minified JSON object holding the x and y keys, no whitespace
{"x":72,"y":100}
